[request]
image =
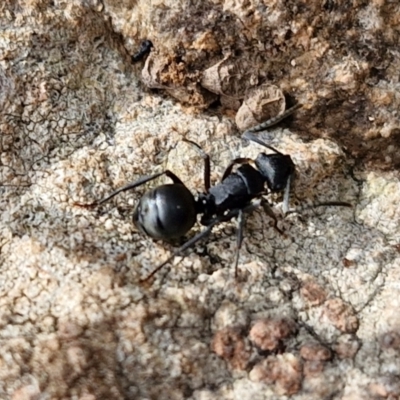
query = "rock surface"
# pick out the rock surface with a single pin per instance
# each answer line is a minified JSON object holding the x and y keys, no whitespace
{"x":76,"y":122}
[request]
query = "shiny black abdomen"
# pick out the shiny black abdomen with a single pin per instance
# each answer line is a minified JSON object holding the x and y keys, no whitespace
{"x":166,"y":212}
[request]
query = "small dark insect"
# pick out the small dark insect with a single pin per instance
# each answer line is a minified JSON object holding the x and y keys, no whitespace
{"x":348,"y":263}
{"x":170,"y":211}
{"x":144,"y":49}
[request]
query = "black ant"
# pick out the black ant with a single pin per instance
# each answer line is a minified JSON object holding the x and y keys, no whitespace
{"x":169,"y":211}
{"x":144,"y":49}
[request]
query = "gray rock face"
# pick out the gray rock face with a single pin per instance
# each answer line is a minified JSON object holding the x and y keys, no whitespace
{"x":313,"y":313}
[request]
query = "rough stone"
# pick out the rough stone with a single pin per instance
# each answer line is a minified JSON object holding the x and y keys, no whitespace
{"x":77,"y":121}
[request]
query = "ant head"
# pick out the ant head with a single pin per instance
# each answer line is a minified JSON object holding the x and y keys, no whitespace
{"x":276,"y":169}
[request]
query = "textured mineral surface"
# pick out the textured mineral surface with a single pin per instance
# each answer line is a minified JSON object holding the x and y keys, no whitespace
{"x":313,"y":313}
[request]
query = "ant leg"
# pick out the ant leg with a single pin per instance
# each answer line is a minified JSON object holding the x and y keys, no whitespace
{"x":249,"y":135}
{"x":133,"y":185}
{"x":268,"y":210}
{"x":271,"y":122}
{"x":239,"y":239}
{"x":180,"y":250}
{"x":191,"y":242}
{"x":286,"y":193}
{"x":206,"y":159}
{"x":241,"y":219}
{"x":236,"y":161}
{"x":324,"y":204}
{"x":215,"y":221}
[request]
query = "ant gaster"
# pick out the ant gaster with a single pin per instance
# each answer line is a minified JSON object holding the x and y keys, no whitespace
{"x":169,"y":211}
